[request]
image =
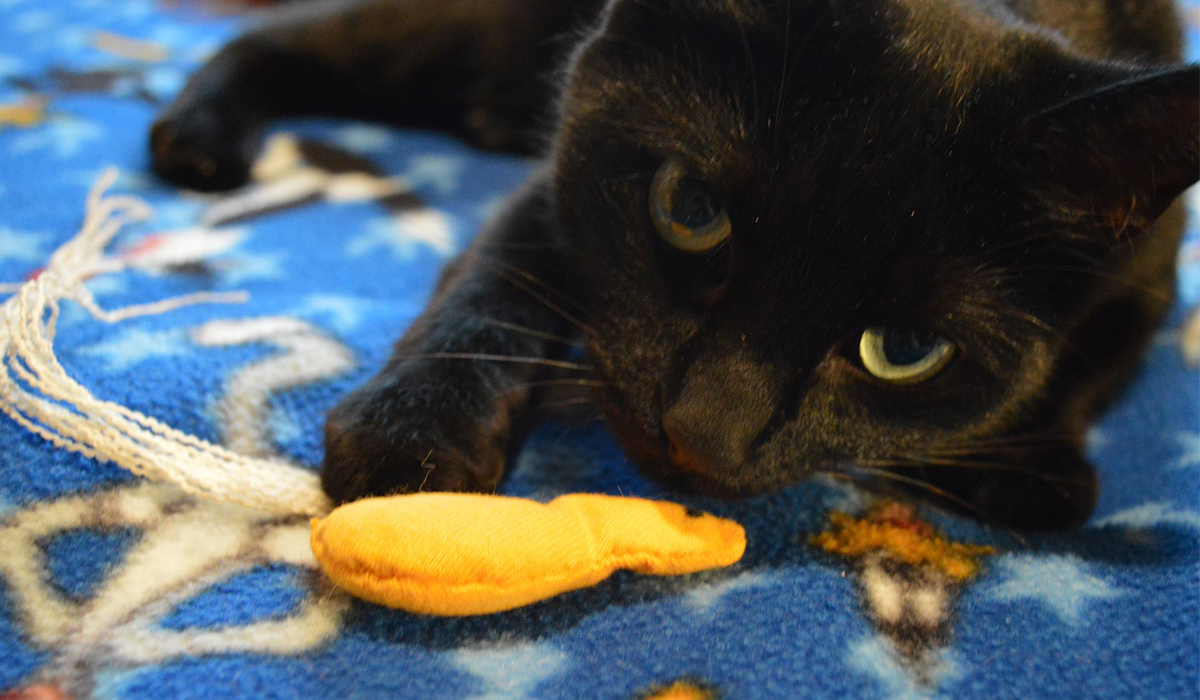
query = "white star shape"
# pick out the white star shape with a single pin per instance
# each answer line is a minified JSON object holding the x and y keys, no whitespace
{"x":703,"y":598}
{"x":490,"y":206}
{"x":437,"y":171}
{"x":136,"y":10}
{"x":104,"y":285}
{"x":1151,"y":514}
{"x":9,"y":66}
{"x":164,"y":81}
{"x":32,"y":21}
{"x":283,"y":427}
{"x":241,"y":267}
{"x":126,"y":179}
{"x":179,"y":213}
{"x":1190,"y":442}
{"x":1095,"y":439}
{"x":364,"y":138}
{"x":73,"y":38}
{"x":201,"y":51}
{"x":511,"y":672}
{"x":344,"y":312}
{"x":133,"y":346}
{"x":172,"y":35}
{"x":21,"y":245}
{"x":63,"y":135}
{"x":873,"y":656}
{"x":1058,"y":582}
{"x":404,"y":233}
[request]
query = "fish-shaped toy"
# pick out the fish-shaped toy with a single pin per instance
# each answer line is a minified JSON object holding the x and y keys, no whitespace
{"x":472,"y":554}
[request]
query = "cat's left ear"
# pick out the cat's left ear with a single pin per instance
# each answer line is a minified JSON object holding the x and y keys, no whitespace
{"x":1115,"y":158}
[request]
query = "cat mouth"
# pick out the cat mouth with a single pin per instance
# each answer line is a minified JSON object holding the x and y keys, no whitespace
{"x":732,"y":484}
{"x":657,"y":459}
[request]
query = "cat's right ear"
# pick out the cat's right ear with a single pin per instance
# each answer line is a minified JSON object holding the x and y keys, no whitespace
{"x":1114,"y":159}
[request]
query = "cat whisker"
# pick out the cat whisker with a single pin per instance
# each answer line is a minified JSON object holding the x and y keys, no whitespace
{"x":787,"y":43}
{"x":532,"y":332}
{"x":563,"y":403}
{"x":940,"y":493}
{"x":920,"y":461}
{"x":1049,"y":330}
{"x":362,"y":478}
{"x":983,"y":314}
{"x":485,"y":357}
{"x":1057,"y":483}
{"x":570,"y":382}
{"x":998,"y":448}
{"x":534,"y":279}
{"x":571,"y":422}
{"x":1102,"y":274}
{"x":866,"y":469}
{"x":506,"y":273}
{"x":629,"y":177}
{"x":968,"y":450}
{"x":753,"y":70}
{"x":1057,"y":238}
{"x":1038,"y":439}
{"x":554,"y":382}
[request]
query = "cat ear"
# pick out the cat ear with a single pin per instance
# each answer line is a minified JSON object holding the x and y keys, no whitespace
{"x":1116,"y":158}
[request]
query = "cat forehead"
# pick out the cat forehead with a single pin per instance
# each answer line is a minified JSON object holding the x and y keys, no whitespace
{"x":742,"y":88}
{"x":951,"y":46}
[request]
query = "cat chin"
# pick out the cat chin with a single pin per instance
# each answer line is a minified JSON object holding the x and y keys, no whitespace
{"x":714,"y":486}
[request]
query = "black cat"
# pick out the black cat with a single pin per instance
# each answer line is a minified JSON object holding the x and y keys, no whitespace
{"x":925,"y":240}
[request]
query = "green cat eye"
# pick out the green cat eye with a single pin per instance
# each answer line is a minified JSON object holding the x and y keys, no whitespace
{"x":904,"y":356}
{"x":685,"y":212}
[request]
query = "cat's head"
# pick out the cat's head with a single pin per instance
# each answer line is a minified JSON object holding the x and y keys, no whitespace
{"x":826,"y":232}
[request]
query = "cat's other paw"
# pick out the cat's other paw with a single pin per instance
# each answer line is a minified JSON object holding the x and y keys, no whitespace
{"x":1061,"y":497}
{"x":1049,"y":489}
{"x":201,"y":149}
{"x":408,"y":433}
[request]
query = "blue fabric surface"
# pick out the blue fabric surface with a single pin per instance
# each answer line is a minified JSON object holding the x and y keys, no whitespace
{"x":1109,"y":611}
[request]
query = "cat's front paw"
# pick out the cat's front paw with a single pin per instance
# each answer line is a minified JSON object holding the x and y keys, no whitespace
{"x":413,"y":432}
{"x":1043,"y":489}
{"x":200,"y":149}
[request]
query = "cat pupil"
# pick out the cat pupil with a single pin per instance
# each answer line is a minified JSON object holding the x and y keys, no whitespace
{"x":692,"y":206}
{"x":908,"y":347}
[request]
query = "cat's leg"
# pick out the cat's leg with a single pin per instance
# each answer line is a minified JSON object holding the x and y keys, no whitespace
{"x":439,"y":415}
{"x":1035,"y":480}
{"x":476,"y":68}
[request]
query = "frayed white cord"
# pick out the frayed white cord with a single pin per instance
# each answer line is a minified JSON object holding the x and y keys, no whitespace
{"x":37,"y":393}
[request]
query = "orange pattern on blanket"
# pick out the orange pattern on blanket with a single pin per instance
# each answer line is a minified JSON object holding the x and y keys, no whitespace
{"x":29,"y":112}
{"x":679,"y":690}
{"x":894,"y":529}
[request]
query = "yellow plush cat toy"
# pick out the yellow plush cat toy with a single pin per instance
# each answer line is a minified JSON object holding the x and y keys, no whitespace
{"x":470,"y":554}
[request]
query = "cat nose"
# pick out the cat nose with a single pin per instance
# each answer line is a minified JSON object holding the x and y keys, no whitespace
{"x":690,"y":450}
{"x":722,"y":408}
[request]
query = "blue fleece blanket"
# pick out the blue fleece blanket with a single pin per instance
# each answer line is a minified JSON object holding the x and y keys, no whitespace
{"x":111,"y":587}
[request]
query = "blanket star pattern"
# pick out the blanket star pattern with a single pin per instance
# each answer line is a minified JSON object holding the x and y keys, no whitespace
{"x":115,"y":588}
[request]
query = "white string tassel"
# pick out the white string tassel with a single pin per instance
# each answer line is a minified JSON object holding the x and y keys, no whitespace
{"x":37,"y":393}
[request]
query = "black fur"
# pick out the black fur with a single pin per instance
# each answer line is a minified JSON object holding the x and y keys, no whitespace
{"x":1001,"y":172}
